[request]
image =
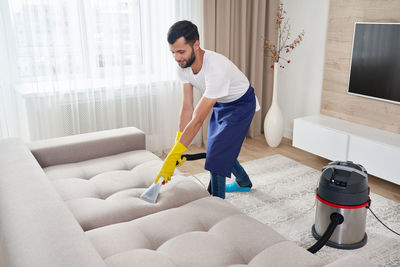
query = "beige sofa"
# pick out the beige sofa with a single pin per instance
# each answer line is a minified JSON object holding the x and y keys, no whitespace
{"x":74,"y":201}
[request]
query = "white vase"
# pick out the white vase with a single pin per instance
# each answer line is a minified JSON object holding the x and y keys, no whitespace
{"x":273,"y":122}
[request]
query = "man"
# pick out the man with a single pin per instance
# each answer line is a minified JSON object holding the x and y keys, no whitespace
{"x":226,"y":91}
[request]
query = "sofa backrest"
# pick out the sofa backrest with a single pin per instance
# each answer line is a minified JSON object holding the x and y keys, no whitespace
{"x":80,"y":147}
{"x":36,"y":228}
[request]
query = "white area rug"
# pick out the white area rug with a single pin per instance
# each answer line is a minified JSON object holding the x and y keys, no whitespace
{"x":282,"y":196}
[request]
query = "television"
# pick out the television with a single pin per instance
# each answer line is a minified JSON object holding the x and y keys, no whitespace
{"x":375,"y":61}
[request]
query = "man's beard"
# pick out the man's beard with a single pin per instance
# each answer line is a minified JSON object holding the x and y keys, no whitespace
{"x":190,"y":61}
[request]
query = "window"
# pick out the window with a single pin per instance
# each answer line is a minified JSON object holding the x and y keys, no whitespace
{"x":70,"y":40}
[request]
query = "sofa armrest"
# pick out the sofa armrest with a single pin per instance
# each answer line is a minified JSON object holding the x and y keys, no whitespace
{"x":75,"y":148}
{"x":36,"y":227}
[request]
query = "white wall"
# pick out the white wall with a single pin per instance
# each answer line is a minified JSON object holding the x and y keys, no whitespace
{"x":300,"y":83}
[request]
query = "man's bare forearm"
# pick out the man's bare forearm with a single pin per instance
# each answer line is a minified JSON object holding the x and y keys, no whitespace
{"x":190,"y":131}
{"x":199,"y":115}
{"x":185,"y":117}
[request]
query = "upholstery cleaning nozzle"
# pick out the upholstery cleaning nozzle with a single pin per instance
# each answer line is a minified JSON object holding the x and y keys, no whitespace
{"x":150,"y":194}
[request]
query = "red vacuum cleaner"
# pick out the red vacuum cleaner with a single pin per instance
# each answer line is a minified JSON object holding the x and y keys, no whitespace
{"x":342,"y":202}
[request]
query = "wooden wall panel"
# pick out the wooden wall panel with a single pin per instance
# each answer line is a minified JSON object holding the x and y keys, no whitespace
{"x":336,"y":102}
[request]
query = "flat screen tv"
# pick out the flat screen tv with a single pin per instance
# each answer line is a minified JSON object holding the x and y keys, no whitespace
{"x":375,"y":61}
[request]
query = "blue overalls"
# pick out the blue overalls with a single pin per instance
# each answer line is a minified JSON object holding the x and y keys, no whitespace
{"x":227,"y":129}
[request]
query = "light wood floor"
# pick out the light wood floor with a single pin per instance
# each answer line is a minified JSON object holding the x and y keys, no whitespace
{"x":254,"y":148}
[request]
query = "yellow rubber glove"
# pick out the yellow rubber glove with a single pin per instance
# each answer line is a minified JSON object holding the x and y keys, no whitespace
{"x":181,"y":160}
{"x":178,"y":136}
{"x":168,"y":168}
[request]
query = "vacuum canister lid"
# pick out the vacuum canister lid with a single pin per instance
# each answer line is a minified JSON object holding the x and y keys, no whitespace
{"x":344,"y":183}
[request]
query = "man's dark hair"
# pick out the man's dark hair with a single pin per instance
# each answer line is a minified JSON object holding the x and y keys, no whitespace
{"x":183,"y":28}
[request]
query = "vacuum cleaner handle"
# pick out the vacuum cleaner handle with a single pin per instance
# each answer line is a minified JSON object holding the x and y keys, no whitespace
{"x":194,"y":156}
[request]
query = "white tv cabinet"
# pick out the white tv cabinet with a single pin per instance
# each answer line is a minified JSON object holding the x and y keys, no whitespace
{"x":377,"y":150}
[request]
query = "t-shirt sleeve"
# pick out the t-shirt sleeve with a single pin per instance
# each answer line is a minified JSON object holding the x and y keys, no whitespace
{"x":217,"y":81}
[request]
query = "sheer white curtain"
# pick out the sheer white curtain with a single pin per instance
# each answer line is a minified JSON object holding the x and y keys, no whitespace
{"x":70,"y":67}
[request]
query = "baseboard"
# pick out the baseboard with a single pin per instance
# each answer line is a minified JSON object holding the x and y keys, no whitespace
{"x":288,"y":133}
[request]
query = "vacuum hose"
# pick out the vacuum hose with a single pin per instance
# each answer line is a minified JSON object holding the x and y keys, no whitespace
{"x":336,"y":219}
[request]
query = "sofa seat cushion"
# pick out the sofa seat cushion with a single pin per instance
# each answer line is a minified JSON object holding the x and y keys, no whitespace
{"x":205,"y":232}
{"x":107,"y":190}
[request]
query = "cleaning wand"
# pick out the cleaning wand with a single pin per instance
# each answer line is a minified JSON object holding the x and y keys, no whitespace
{"x":151,"y":193}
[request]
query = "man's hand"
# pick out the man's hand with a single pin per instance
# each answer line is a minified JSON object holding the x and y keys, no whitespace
{"x":181,"y":160}
{"x":168,"y":168}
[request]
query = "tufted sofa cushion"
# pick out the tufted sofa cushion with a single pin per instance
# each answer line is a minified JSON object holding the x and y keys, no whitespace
{"x":206,"y":232}
{"x":107,"y":190}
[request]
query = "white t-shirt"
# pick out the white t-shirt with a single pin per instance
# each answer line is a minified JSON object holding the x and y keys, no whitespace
{"x":218,"y":78}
